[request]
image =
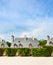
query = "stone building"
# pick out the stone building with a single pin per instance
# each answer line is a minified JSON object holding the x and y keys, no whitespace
{"x":24,"y":42}
{"x":49,"y":41}
{"x":3,"y":44}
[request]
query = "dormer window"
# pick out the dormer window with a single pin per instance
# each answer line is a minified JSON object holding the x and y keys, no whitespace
{"x":15,"y":46}
{"x":39,"y":45}
{"x":30,"y":45}
{"x":2,"y":45}
{"x":50,"y":43}
{"x":20,"y":45}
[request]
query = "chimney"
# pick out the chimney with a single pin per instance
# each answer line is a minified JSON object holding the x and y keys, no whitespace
{"x":12,"y":38}
{"x":33,"y":38}
{"x":25,"y":37}
{"x":0,"y":39}
{"x":48,"y":37}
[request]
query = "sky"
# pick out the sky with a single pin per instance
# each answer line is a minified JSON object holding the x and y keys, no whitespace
{"x":26,"y":17}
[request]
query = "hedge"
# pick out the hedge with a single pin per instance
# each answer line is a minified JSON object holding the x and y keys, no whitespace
{"x":24,"y":51}
{"x":40,"y":52}
{"x":12,"y":51}
{"x":1,"y":51}
{"x":35,"y":52}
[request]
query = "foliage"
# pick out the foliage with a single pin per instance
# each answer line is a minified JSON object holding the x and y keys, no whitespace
{"x":8,"y":43}
{"x":40,"y":52}
{"x":36,"y":52}
{"x":42,"y":42}
{"x":1,"y":51}
{"x":24,"y":51}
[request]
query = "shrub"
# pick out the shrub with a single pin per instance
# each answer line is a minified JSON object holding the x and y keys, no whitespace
{"x":1,"y":51}
{"x":36,"y":52}
{"x":40,"y":52}
{"x":24,"y":51}
{"x":11,"y":51}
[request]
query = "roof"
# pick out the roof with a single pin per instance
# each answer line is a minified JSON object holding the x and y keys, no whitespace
{"x":26,"y":41}
{"x":3,"y":42}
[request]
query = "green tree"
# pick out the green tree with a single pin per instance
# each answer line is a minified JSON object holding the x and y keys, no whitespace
{"x":42,"y":42}
{"x":8,"y":43}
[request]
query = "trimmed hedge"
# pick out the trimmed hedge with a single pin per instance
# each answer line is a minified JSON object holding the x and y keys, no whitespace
{"x":12,"y":51}
{"x":40,"y":52}
{"x":35,"y":52}
{"x":24,"y":51}
{"x":1,"y":51}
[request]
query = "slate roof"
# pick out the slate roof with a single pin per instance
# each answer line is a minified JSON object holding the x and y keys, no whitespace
{"x":26,"y":42}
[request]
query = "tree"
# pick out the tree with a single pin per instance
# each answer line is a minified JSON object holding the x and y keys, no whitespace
{"x":42,"y":42}
{"x":8,"y":43}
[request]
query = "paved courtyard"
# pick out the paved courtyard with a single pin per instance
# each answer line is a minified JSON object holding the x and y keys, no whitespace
{"x":26,"y":60}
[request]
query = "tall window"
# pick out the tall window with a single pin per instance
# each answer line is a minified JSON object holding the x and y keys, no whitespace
{"x":51,"y":43}
{"x":39,"y":45}
{"x":30,"y":45}
{"x":2,"y":45}
{"x":20,"y":45}
{"x":15,"y":46}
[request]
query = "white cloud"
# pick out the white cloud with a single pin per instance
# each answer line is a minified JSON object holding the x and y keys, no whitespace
{"x":15,"y":14}
{"x":34,"y":32}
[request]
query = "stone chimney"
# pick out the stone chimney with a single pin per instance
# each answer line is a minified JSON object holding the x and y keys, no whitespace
{"x":48,"y":37}
{"x":0,"y":39}
{"x":48,"y":40}
{"x":12,"y":38}
{"x":33,"y":38}
{"x":25,"y":37}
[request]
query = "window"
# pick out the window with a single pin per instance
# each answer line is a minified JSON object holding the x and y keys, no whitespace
{"x":15,"y":46}
{"x":39,"y":45}
{"x":30,"y":45}
{"x":50,"y":43}
{"x":20,"y":45}
{"x":2,"y":45}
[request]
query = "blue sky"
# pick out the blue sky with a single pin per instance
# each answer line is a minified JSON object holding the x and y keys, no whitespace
{"x":26,"y":17}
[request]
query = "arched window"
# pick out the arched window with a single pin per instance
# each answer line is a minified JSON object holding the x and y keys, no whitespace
{"x":20,"y":45}
{"x":2,"y":45}
{"x":30,"y":45}
{"x":15,"y":46}
{"x":50,"y":43}
{"x":39,"y":45}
